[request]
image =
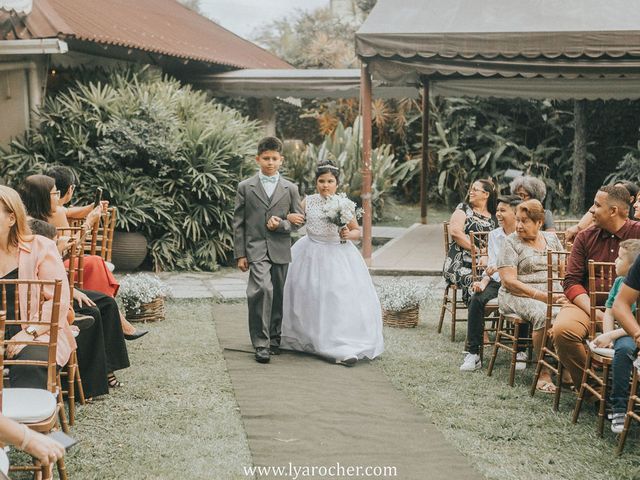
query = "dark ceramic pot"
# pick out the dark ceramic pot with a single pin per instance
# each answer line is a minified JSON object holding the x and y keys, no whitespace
{"x":129,"y":250}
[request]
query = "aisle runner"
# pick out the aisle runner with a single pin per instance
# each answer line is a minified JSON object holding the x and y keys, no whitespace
{"x":308,"y":416}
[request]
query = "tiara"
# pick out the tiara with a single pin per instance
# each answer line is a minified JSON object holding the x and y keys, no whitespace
{"x":330,"y":167}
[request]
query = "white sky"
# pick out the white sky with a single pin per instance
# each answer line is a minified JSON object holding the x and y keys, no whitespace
{"x":243,"y":16}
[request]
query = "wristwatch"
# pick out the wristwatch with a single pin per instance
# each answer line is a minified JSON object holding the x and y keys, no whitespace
{"x":31,"y":330}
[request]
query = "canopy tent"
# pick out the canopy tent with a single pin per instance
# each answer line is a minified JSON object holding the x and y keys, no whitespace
{"x":569,"y":49}
{"x":299,"y":83}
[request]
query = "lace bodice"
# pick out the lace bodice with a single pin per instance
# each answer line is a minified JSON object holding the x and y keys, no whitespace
{"x":317,"y":224}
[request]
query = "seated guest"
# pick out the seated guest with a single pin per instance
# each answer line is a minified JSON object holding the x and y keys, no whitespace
{"x":25,"y":256}
{"x":532,"y":188}
{"x":101,"y":350}
{"x":66,"y":182}
{"x":523,"y":270}
{"x":478,"y":215}
{"x":487,"y":288}
{"x":40,"y":194}
{"x":625,"y":350}
{"x":587,"y":219}
{"x":600,"y":243}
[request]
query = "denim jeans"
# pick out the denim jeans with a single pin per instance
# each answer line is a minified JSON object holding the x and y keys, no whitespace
{"x":625,"y":353}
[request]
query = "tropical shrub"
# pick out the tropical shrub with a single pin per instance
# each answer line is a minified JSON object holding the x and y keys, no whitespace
{"x":166,"y":156}
{"x":344,"y":148}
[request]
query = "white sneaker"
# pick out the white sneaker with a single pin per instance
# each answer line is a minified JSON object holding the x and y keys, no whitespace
{"x":521,"y":360}
{"x":471,"y":362}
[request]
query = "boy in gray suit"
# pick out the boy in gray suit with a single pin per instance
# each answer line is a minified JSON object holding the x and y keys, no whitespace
{"x":262,"y":244}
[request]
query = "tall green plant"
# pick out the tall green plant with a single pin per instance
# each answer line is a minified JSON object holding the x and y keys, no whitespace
{"x":168,"y":158}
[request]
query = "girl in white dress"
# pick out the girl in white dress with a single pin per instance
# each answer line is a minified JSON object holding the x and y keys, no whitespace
{"x":331,"y":308}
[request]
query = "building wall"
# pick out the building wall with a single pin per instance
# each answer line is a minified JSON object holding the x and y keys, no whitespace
{"x":14,"y":104}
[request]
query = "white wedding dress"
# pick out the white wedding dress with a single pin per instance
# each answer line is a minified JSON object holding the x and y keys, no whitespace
{"x":330,"y":307}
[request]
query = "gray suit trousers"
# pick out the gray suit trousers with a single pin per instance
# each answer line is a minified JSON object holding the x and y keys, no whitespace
{"x":264,"y":298}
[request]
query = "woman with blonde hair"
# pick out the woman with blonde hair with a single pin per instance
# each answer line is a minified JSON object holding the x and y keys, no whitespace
{"x":25,"y":256}
{"x":523,"y":269}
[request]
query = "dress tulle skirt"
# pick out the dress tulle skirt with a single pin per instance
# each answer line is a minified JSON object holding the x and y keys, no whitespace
{"x":331,"y":307}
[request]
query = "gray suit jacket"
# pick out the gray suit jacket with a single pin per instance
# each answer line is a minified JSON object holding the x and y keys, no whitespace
{"x":253,"y":208}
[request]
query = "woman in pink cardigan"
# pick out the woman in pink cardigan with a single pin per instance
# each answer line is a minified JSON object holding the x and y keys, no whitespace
{"x":31,"y":257}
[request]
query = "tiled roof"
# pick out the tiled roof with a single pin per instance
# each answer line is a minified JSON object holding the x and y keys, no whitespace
{"x":163,"y":27}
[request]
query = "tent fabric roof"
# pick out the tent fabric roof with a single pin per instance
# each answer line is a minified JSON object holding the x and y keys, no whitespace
{"x":309,"y":83}
{"x":162,"y":27}
{"x":469,"y":41}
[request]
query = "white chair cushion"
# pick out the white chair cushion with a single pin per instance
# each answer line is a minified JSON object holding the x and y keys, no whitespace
{"x":110,"y":266}
{"x":604,"y":352}
{"x":28,"y":405}
{"x":493,"y":302}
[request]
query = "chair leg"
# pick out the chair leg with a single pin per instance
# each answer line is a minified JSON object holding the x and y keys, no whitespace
{"x":514,"y":352}
{"x":536,"y":376}
{"x":443,"y":309}
{"x":556,"y":397}
{"x":62,"y":469}
{"x":583,"y":387}
{"x":71,"y":394}
{"x":79,"y":387}
{"x":454,"y":312}
{"x":630,"y":409}
{"x":496,"y":344}
{"x":603,"y":399}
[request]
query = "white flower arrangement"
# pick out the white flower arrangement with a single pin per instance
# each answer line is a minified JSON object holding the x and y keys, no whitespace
{"x":136,"y":290}
{"x":339,"y":210}
{"x":397,"y":294}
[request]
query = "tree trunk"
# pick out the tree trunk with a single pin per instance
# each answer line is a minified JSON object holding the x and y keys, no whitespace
{"x":576,"y":205}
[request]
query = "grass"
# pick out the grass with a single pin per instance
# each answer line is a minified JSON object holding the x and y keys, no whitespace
{"x":404,"y":215}
{"x":504,"y":432}
{"x":176,"y":416}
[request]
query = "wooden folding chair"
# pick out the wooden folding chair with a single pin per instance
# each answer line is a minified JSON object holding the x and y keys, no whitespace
{"x":100,"y":238}
{"x":598,"y":365}
{"x":565,"y":223}
{"x":509,"y":337}
{"x":547,"y":357}
{"x":450,"y":301}
{"x":39,"y":409}
{"x":479,"y":256}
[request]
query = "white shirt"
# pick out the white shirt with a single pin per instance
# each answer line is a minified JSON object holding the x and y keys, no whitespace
{"x":494,"y":248}
{"x":269,"y":187}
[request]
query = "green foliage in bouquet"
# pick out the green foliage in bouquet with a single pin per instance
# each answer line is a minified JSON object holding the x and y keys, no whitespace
{"x":166,"y":156}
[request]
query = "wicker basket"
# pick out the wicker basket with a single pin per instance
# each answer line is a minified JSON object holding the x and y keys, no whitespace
{"x":148,"y":312}
{"x":407,"y":318}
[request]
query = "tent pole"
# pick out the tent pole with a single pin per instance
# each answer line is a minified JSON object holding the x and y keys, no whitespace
{"x":425,"y":151}
{"x":365,"y":106}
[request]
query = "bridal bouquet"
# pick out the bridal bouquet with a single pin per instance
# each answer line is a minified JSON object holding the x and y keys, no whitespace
{"x":339,"y":210}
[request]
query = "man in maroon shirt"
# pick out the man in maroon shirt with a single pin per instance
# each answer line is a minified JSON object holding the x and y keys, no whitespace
{"x":599,"y":243}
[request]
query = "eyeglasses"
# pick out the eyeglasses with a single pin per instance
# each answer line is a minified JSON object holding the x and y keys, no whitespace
{"x":475,"y":189}
{"x":55,"y":194}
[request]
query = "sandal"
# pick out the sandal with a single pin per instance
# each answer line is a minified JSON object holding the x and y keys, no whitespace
{"x":546,"y":387}
{"x":113,"y":381}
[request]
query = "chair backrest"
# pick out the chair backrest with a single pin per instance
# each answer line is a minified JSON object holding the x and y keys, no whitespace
{"x":479,"y":253}
{"x":447,"y":238}
{"x":556,"y":270}
{"x":34,"y":317}
{"x":75,"y":257}
{"x":601,"y":278}
{"x":566,"y":223}
{"x":100,"y":239}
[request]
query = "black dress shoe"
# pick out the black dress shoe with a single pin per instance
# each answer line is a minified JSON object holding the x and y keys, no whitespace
{"x":262,"y":355}
{"x":274,"y":350}
{"x":135,"y":335}
{"x":84,"y":321}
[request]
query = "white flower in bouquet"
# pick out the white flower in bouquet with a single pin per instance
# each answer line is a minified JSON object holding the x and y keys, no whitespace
{"x":396,"y":295}
{"x":141,"y":288}
{"x":340,"y":210}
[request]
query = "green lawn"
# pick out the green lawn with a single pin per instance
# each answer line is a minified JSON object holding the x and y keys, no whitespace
{"x":404,"y":215}
{"x":502,"y":430}
{"x":177,"y":416}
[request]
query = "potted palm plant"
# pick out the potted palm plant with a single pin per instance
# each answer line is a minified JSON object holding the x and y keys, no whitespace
{"x":400,"y":301}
